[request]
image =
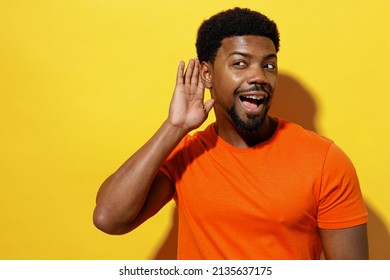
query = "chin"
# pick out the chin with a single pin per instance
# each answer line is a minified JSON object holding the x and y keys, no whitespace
{"x":251,"y":124}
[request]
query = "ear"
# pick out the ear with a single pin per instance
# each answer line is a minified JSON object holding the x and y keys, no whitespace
{"x":206,"y":73}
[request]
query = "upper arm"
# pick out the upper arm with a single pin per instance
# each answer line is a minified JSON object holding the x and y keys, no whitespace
{"x":345,"y":244}
{"x":160,"y":193}
{"x":342,"y":215}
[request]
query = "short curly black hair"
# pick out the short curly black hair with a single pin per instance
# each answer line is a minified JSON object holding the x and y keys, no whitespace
{"x":230,"y":23}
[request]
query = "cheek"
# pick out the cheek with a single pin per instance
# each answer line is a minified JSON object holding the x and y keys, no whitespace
{"x":226,"y":84}
{"x":273,"y":81}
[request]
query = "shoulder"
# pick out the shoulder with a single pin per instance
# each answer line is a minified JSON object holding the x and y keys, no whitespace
{"x":200,"y":139}
{"x":189,"y":148}
{"x":298,"y":138}
{"x":195,"y":143}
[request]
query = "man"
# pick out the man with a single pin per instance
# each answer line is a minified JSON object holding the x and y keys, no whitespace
{"x":251,"y":186}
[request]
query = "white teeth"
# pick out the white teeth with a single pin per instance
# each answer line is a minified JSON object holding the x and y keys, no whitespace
{"x":255,"y":97}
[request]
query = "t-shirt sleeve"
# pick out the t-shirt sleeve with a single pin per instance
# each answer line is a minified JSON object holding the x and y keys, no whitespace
{"x":341,"y":202}
{"x":167,"y":167}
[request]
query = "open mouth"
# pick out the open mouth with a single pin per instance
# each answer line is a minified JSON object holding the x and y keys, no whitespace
{"x":252,"y":101}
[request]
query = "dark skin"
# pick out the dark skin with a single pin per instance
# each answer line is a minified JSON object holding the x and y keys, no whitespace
{"x":240,"y":64}
{"x":138,"y":190}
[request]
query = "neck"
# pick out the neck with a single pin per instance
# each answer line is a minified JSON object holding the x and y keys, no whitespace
{"x":239,"y":139}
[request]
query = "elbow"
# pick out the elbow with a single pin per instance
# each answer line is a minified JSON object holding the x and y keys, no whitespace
{"x":104,"y":222}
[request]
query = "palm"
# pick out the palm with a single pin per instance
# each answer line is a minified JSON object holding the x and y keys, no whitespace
{"x":187,"y":109}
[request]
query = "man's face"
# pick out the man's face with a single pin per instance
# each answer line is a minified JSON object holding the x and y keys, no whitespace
{"x":242,"y":81}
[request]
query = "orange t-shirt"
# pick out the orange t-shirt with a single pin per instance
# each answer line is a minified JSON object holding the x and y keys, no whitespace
{"x":263,"y":202}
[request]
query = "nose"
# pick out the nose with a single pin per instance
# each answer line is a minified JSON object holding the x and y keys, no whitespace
{"x":257,"y":76}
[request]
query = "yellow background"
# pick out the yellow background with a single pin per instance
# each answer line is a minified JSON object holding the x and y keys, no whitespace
{"x":84,"y":83}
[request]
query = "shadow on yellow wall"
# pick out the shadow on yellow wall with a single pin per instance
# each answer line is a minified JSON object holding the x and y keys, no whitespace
{"x":295,"y":103}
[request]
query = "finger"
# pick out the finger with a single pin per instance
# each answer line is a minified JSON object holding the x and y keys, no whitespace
{"x":208,"y":105}
{"x":200,"y":82}
{"x":189,"y":70}
{"x":200,"y":88}
{"x":195,"y":74}
{"x":180,"y":72}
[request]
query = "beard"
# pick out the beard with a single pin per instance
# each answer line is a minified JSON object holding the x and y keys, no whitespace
{"x":251,"y":125}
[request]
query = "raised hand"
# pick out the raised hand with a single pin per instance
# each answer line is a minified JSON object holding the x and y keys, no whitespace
{"x":188,"y":109}
{"x":134,"y":192}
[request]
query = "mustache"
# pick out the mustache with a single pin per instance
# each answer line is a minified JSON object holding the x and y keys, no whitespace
{"x":255,"y":87}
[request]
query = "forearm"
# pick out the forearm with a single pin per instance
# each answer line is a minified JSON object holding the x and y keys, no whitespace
{"x":122,"y":196}
{"x":121,"y":199}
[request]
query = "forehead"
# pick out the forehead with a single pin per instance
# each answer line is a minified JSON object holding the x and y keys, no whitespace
{"x":254,"y":45}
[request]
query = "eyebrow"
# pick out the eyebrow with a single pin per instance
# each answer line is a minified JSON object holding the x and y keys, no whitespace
{"x":268,"y":56}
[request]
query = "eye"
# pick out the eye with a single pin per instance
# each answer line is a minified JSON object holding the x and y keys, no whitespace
{"x":270,"y":66}
{"x":239,"y":64}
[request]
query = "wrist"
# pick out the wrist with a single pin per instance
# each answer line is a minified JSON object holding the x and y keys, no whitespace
{"x":174,"y":130}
